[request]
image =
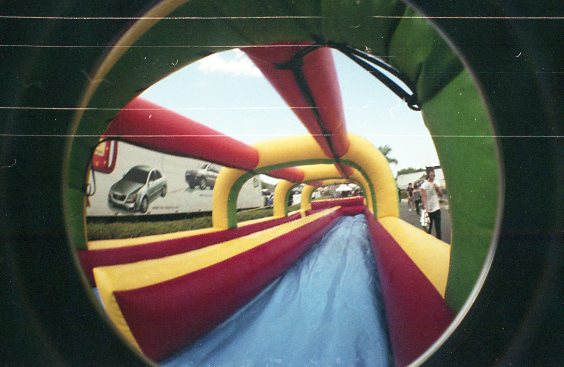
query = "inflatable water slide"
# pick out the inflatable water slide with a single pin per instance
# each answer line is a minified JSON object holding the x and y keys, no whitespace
{"x":235,"y":261}
{"x":377,"y":290}
{"x":163,"y":292}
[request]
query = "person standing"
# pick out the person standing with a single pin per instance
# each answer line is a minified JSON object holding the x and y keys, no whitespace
{"x":430,"y":193}
{"x":417,"y":197}
{"x":409,"y":196}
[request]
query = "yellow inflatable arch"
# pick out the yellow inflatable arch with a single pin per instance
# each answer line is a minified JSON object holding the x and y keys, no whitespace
{"x":307,"y":191}
{"x":374,"y":173}
{"x":318,"y":173}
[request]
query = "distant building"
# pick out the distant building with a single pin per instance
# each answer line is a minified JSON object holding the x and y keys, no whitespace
{"x":404,"y":179}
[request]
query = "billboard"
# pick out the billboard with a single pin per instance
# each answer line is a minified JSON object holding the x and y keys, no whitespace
{"x":136,"y":181}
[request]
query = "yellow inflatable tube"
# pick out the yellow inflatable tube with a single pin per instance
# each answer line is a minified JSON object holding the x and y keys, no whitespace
{"x":431,"y":255}
{"x":305,"y":197}
{"x":293,"y":149}
{"x":280,"y":193}
{"x":140,"y":274}
{"x":375,"y":166}
{"x":221,"y":195}
{"x":303,"y":150}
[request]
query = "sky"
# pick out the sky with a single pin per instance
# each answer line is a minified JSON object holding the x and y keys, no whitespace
{"x":226,"y":92}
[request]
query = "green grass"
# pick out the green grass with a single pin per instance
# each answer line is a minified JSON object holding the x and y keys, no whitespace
{"x":124,"y":227}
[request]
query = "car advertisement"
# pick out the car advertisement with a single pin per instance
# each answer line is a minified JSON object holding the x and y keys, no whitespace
{"x":139,"y":181}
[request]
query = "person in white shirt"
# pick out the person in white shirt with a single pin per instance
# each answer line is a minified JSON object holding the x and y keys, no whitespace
{"x":430,"y":193}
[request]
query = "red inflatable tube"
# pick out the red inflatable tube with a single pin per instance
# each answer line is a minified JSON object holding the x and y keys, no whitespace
{"x":350,"y":210}
{"x":292,"y":174}
{"x":345,"y":171}
{"x":353,"y":210}
{"x":417,"y":314}
{"x":167,"y":316}
{"x":91,"y":259}
{"x":321,"y":78}
{"x":315,"y":183}
{"x":151,"y":126}
{"x":314,"y":211}
{"x":343,"y":202}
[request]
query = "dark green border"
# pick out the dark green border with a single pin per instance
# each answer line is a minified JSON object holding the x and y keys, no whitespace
{"x":427,"y":62}
{"x":40,"y":191}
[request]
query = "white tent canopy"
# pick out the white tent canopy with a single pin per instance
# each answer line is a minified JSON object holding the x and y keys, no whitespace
{"x":343,"y":188}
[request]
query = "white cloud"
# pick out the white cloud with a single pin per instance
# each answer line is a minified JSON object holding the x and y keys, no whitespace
{"x":233,"y":62}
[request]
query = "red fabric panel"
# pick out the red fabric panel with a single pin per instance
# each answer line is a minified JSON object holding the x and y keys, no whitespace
{"x":417,"y":314}
{"x":154,"y":250}
{"x":151,"y":126}
{"x":353,"y":210}
{"x":344,"y":170}
{"x":315,"y":183}
{"x":292,"y":174}
{"x":343,"y":202}
{"x":321,"y":77}
{"x":318,"y":205}
{"x":167,"y":316}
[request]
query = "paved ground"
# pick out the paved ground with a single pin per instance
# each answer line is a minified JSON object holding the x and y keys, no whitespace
{"x":413,"y":218}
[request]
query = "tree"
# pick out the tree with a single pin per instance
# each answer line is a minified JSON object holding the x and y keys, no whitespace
{"x":385,"y":150}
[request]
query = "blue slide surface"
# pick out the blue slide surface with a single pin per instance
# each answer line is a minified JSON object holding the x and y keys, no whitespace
{"x":326,"y":310}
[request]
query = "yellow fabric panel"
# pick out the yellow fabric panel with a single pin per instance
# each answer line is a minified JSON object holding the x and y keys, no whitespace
{"x":222,"y":188}
{"x":107,"y":244}
{"x":376,"y":167}
{"x":140,"y":274}
{"x":280,"y":192}
{"x":431,"y":255}
{"x":320,"y":172}
{"x":305,"y":201}
{"x":291,"y":149}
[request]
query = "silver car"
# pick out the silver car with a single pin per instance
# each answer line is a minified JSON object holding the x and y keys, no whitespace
{"x":138,"y":188}
{"x":203,"y":177}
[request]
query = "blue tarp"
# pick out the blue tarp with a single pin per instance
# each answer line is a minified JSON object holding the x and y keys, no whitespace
{"x":324,"y":311}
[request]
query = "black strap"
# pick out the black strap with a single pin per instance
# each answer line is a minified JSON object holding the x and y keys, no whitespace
{"x":295,"y":64}
{"x":373,"y":66}
{"x":368,"y":62}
